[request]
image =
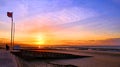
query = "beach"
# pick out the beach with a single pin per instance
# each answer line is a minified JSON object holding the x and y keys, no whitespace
{"x":97,"y":59}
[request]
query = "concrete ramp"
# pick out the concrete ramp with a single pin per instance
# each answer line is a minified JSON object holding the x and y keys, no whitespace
{"x":7,"y":59}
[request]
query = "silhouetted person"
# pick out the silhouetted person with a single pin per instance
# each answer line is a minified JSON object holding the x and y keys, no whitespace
{"x":7,"y":47}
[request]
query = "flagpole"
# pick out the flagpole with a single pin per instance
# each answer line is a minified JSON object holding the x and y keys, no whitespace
{"x":10,"y":14}
{"x":11,"y":32}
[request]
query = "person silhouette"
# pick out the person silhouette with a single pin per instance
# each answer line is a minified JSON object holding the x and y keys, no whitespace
{"x":7,"y":47}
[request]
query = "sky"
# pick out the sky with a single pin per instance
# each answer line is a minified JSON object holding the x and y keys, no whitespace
{"x":58,"y":22}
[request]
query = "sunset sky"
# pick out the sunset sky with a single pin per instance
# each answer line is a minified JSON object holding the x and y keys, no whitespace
{"x":67,"y":22}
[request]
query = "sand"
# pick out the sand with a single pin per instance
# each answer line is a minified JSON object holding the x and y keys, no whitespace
{"x":98,"y":59}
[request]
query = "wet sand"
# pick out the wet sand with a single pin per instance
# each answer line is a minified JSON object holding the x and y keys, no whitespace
{"x":99,"y":59}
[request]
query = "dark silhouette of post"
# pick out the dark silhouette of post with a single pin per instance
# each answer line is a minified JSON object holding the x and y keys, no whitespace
{"x":10,"y":14}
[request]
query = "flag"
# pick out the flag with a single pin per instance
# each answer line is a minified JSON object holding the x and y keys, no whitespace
{"x":9,"y":14}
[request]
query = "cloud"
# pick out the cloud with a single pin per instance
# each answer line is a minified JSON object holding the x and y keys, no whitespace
{"x":109,"y":42}
{"x":106,"y":42}
{"x":50,"y":20}
{"x":113,"y":41}
{"x":71,"y":14}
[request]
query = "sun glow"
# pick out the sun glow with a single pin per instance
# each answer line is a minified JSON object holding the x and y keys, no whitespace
{"x":40,"y":40}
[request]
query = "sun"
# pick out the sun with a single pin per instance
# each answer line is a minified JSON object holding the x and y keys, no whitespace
{"x":40,"y":40}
